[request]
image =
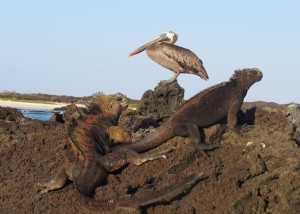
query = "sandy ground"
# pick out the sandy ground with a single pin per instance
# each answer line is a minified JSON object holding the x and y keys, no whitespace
{"x":14,"y":104}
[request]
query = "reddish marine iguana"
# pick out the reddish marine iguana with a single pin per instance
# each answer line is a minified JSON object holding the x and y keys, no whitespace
{"x":89,"y":146}
{"x":206,"y":108}
{"x":90,"y":160}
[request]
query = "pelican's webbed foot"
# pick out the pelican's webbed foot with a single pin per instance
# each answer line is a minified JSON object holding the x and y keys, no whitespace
{"x":169,"y":81}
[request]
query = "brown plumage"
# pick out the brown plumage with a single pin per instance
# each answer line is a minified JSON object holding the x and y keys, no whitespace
{"x":177,"y":59}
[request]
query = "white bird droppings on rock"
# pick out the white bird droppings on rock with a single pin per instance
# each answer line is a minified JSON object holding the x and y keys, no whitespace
{"x":249,"y":143}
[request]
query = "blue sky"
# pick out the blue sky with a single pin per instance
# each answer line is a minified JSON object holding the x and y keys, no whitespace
{"x":81,"y":47}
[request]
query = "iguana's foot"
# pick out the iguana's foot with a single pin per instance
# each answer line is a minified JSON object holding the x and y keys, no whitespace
{"x":149,"y":156}
{"x":242,"y":129}
{"x":119,"y":158}
{"x":60,"y":179}
{"x":245,"y":128}
{"x":203,"y":147}
{"x":50,"y":185}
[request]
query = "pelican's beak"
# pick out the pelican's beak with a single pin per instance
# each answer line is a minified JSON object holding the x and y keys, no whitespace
{"x":161,"y":38}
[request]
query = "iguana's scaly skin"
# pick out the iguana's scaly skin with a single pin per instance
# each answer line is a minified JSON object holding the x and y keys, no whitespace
{"x":206,"y":108}
{"x":89,"y":147}
{"x":90,"y":158}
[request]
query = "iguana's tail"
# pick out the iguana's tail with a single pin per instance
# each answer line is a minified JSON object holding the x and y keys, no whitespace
{"x":153,"y":139}
{"x":135,"y":202}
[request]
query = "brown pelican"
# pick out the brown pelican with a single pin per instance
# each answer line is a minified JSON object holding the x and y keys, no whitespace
{"x":178,"y":59}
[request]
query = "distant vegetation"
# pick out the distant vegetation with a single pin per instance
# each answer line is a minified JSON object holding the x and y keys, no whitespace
{"x":270,"y":110}
{"x":26,"y":101}
{"x":133,"y":105}
{"x":5,"y":95}
{"x":46,"y":98}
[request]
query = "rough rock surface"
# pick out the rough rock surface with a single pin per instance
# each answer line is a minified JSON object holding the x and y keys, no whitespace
{"x":293,"y":114}
{"x":255,"y":172}
{"x":155,"y":106}
{"x":10,"y":114}
{"x":161,"y":102}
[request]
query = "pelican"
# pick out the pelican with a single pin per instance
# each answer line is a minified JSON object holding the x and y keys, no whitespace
{"x":177,"y":59}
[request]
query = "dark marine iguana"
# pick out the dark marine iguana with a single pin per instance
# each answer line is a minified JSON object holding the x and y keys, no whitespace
{"x":90,"y":158}
{"x":206,"y":108}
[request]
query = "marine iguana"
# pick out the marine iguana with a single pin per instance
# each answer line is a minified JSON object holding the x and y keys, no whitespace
{"x":89,"y":146}
{"x":206,"y":108}
{"x":90,"y":158}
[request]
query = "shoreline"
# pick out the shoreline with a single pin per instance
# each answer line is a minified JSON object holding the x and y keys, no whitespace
{"x":15,"y":104}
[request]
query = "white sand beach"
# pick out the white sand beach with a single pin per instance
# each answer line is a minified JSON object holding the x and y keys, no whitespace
{"x":14,"y":104}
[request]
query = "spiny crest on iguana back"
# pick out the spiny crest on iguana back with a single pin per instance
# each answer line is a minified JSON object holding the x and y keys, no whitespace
{"x":112,"y":105}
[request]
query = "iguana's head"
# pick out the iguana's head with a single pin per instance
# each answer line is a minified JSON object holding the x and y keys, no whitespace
{"x":112,"y":105}
{"x":247,"y":77}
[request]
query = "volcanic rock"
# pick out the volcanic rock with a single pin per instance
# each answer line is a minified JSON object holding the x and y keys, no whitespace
{"x":156,"y":106}
{"x":293,"y":114}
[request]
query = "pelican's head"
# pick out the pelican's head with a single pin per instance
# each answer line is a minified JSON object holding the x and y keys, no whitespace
{"x":168,"y":37}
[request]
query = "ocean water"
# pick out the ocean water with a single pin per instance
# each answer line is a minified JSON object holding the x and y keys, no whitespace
{"x":39,"y":114}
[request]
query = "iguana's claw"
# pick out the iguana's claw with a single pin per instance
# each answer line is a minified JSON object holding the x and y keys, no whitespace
{"x":242,"y":129}
{"x":203,"y":147}
{"x":245,"y":128}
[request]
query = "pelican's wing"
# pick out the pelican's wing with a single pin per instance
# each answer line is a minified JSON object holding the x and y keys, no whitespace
{"x":185,"y":58}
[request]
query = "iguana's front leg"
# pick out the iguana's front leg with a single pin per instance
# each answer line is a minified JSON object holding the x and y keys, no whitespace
{"x":64,"y":174}
{"x":232,"y":119}
{"x":195,"y":136}
{"x":119,"y":158}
